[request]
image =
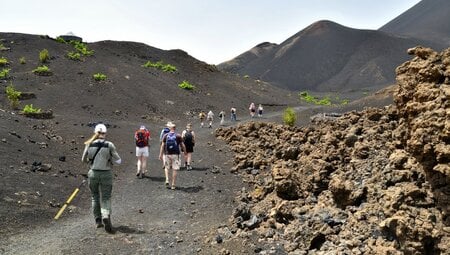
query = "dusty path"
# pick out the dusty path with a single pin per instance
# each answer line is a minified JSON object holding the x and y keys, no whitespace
{"x":147,"y":217}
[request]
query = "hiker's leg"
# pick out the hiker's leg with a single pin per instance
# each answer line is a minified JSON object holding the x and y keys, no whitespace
{"x":175,"y":167}
{"x":95,"y":193}
{"x":166,"y":167}
{"x":144,"y":164}
{"x":106,"y":189}
{"x":139,"y":164}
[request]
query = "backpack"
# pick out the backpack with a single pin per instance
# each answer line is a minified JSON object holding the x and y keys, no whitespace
{"x":141,"y":138}
{"x":188,"y":138}
{"x":172,"y":144}
{"x":163,"y":133}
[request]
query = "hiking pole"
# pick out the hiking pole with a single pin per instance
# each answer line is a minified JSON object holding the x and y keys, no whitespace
{"x":75,"y":192}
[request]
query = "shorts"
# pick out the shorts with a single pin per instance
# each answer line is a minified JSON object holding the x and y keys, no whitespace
{"x":142,"y":151}
{"x":189,"y":147}
{"x":172,"y":161}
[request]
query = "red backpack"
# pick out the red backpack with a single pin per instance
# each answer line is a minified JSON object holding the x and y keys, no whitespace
{"x":141,"y":136}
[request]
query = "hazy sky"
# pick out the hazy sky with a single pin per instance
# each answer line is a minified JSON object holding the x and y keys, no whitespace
{"x":213,"y":31}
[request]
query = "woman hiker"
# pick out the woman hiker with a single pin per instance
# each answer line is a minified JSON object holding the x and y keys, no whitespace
{"x":100,"y":154}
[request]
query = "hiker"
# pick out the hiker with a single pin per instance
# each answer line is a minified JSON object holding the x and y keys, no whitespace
{"x":100,"y":154}
{"x":142,"y":139}
{"x":222,"y":117}
{"x":233,"y":114}
{"x":260,"y":110}
{"x":164,"y":131}
{"x":210,"y":118}
{"x":252,"y":109}
{"x":188,"y":136}
{"x":202,"y":116}
{"x":171,"y":147}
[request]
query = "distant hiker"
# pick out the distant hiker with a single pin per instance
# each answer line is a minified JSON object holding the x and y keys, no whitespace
{"x":252,"y":109}
{"x":171,"y":147}
{"x":233,"y":114}
{"x":202,"y":116}
{"x":188,"y":136}
{"x":164,"y":131}
{"x":210,"y":118}
{"x":260,"y":110}
{"x":100,"y":154}
{"x":222,"y":117}
{"x":142,"y":139}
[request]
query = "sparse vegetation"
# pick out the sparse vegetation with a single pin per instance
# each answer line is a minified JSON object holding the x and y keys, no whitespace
{"x":99,"y":77}
{"x":27,"y":109}
{"x":289,"y":117}
{"x":13,"y":96}
{"x":42,"y":70}
{"x":3,"y":48}
{"x":74,"y":56}
{"x":246,"y":76}
{"x":82,"y":48}
{"x":186,"y":85}
{"x":44,"y":56}
{"x":22,"y":61}
{"x":4,"y":73}
{"x":160,"y":65}
{"x":60,"y":39}
{"x":305,"y":96}
{"x":3,"y":61}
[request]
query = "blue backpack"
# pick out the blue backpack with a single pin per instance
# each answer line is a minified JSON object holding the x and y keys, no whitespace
{"x":172,"y":144}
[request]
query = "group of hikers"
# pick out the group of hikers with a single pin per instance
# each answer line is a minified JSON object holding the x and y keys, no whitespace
{"x":209,"y":117}
{"x":102,"y":154}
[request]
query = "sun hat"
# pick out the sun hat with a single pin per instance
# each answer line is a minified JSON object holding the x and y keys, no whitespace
{"x":142,"y":127}
{"x":189,"y":125}
{"x":170,"y":124}
{"x":100,"y":128}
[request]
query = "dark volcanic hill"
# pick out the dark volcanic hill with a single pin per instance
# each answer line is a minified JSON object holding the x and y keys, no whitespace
{"x":427,"y":20}
{"x":326,"y":56}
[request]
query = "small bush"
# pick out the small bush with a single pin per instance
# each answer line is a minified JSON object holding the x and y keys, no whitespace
{"x":160,"y":65}
{"x":44,"y":56}
{"x":289,"y":117}
{"x":74,"y":56}
{"x":42,"y":70}
{"x":3,"y":48}
{"x":27,"y":109}
{"x":22,"y":61}
{"x":246,"y":76}
{"x":186,"y":85}
{"x":99,"y":77}
{"x":13,"y":96}
{"x":60,"y":39}
{"x":3,"y":61}
{"x":82,"y":48}
{"x":4,"y":73}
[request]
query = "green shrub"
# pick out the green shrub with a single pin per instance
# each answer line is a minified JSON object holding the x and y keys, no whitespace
{"x":4,"y":73}
{"x":30,"y":109}
{"x":160,"y":65}
{"x":289,"y":116}
{"x":3,"y":61}
{"x":44,"y":56}
{"x":74,"y":55}
{"x":2,"y":47}
{"x":324,"y":101}
{"x":22,"y":61}
{"x":82,"y":48}
{"x":42,"y":70}
{"x":305,"y":96}
{"x":13,"y":96}
{"x":186,"y":85}
{"x":246,"y":76}
{"x":60,"y":39}
{"x":99,"y":77}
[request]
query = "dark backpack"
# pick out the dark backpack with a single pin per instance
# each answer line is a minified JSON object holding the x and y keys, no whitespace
{"x":141,"y":139}
{"x":188,"y":138}
{"x":163,"y":133}
{"x":172,"y":144}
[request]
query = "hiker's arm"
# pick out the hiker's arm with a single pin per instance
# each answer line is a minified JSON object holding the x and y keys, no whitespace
{"x":161,"y":148}
{"x":85,"y":158}
{"x":115,"y":156}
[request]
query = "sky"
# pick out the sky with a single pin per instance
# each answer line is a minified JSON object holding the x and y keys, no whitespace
{"x":213,"y":31}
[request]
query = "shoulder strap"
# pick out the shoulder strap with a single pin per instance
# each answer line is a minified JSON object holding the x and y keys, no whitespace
{"x":99,"y":147}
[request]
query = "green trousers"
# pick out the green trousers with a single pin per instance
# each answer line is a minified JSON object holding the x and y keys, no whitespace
{"x":100,"y":184}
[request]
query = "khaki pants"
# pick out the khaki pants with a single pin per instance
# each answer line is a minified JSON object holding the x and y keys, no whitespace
{"x":100,"y":184}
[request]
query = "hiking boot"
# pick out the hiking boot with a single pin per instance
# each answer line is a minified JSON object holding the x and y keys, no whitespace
{"x":188,"y":167}
{"x":108,"y":226}
{"x":99,"y":223}
{"x":167,"y":185}
{"x":173,"y":187}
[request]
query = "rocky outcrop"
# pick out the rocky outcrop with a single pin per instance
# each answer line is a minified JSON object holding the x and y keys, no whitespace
{"x":369,"y":182}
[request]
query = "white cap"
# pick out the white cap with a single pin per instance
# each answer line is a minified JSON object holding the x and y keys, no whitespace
{"x":100,"y":128}
{"x":142,"y":127}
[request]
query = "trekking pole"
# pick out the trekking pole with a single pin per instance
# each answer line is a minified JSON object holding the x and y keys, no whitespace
{"x":75,"y":192}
